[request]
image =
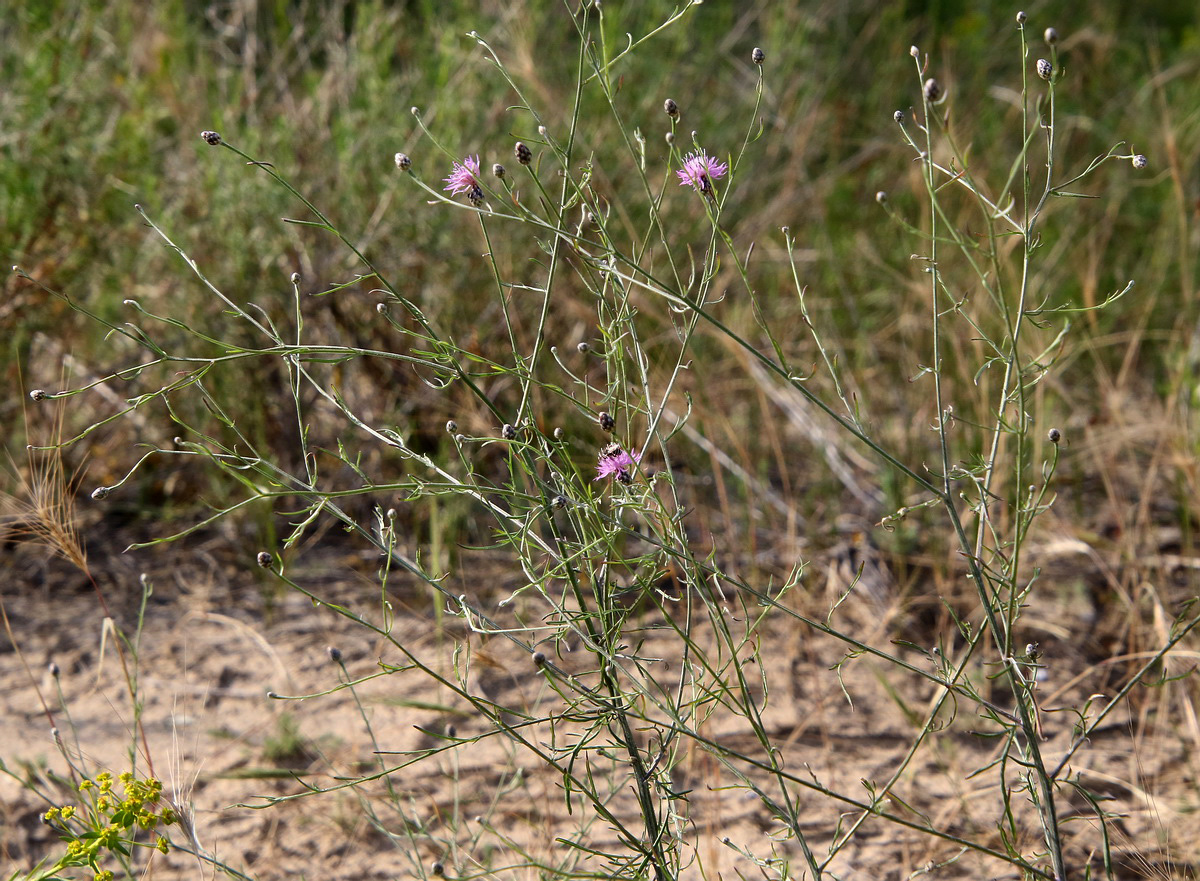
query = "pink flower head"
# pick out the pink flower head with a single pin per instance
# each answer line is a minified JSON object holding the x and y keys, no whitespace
{"x":615,"y":462}
{"x":463,"y":178}
{"x":700,"y":170}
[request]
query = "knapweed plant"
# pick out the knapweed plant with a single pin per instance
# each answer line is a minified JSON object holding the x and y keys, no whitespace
{"x":570,"y":442}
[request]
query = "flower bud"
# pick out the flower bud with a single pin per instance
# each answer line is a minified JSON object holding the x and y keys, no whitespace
{"x":671,"y":108}
{"x":1051,"y":36}
{"x":264,"y":559}
{"x":38,"y":394}
{"x":1140,"y":161}
{"x":210,"y":138}
{"x":451,"y":426}
{"x":1022,"y":17}
{"x":403,"y":162}
{"x":508,"y":432}
{"x":1044,"y":68}
{"x":933,"y":91}
{"x":1054,"y":435}
{"x":523,"y":153}
{"x":583,"y":347}
{"x":758,"y":56}
{"x":607,"y":423}
{"x":898,"y":116}
{"x":335,"y":653}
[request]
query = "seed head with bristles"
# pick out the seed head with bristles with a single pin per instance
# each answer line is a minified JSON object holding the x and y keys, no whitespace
{"x":41,"y":508}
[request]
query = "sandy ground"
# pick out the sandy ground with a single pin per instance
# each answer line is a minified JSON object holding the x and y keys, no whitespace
{"x":218,"y":636}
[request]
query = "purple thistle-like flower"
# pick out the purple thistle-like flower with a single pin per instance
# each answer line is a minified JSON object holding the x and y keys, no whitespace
{"x":700,"y":170}
{"x":615,"y":462}
{"x":463,"y":179}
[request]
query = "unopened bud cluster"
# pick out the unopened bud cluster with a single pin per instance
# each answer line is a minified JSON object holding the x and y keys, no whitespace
{"x":758,"y":56}
{"x":523,"y":153}
{"x":1044,"y":68}
{"x":403,"y":162}
{"x":671,"y":108}
{"x":210,"y":138}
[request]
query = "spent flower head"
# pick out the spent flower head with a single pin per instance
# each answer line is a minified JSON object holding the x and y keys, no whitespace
{"x":464,"y":177}
{"x":700,"y":170}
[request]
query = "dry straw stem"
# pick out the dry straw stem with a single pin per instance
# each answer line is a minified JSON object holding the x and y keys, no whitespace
{"x":41,"y":510}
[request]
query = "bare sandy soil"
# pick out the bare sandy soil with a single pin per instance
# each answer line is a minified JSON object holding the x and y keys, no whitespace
{"x":218,"y":637}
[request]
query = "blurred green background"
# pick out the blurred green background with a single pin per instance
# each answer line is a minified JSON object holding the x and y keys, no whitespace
{"x":103,"y":104}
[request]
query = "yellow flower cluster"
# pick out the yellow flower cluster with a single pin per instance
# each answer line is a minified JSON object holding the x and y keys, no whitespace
{"x":111,"y":817}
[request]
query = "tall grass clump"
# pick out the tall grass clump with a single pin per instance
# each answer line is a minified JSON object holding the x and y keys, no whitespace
{"x":564,"y":503}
